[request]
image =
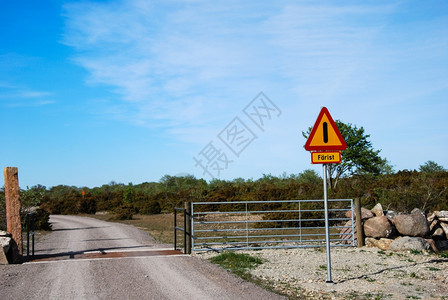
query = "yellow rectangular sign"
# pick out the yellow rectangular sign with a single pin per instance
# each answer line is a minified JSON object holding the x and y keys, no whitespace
{"x":327,"y":157}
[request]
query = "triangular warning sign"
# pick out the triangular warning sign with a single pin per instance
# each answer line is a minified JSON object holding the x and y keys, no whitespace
{"x":325,"y":134}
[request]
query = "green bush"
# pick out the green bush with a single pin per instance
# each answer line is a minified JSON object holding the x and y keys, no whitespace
{"x":39,"y":220}
{"x":42,"y":220}
{"x":152,"y":208}
{"x":124,"y":212}
{"x":87,"y":205}
{"x":2,"y":210}
{"x":2,"y":219}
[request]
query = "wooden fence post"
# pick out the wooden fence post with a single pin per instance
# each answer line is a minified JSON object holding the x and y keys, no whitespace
{"x":359,"y":229}
{"x":13,"y":221}
{"x":188,"y":227}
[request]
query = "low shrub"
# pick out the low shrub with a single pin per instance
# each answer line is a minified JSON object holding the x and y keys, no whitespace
{"x":39,"y":220}
{"x":124,"y":212}
{"x":42,"y":220}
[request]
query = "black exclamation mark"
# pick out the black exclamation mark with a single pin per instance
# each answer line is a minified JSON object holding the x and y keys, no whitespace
{"x":325,"y":132}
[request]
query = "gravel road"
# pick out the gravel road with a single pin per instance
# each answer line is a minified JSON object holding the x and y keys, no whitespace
{"x":71,"y":274}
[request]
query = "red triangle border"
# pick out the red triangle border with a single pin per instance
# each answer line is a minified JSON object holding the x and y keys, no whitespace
{"x":308,"y":147}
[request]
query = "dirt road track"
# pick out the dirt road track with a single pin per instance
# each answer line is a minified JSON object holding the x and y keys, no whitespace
{"x":68,"y":273}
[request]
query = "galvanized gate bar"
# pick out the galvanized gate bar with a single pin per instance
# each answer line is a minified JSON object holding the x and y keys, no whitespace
{"x":211,"y":229}
{"x":266,"y":221}
{"x":29,"y":220}
{"x":271,"y":201}
{"x":176,"y":228}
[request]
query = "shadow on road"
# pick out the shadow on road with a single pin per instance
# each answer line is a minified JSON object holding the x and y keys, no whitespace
{"x":95,"y":240}
{"x":79,"y":228}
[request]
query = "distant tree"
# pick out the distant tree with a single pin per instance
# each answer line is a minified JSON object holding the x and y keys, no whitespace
{"x":359,"y":158}
{"x":129,"y":194}
{"x":177,"y":189}
{"x":309,"y":176}
{"x":32,"y":196}
{"x":431,"y":167}
{"x":268,"y":178}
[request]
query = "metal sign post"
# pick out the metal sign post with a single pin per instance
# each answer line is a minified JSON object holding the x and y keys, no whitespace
{"x":327,"y":227}
{"x":325,"y":143}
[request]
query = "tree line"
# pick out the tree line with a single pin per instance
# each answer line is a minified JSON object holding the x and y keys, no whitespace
{"x":401,"y":191}
{"x":363,"y":174}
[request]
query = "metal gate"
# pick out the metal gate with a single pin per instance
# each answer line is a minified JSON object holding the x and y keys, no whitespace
{"x":241,"y":225}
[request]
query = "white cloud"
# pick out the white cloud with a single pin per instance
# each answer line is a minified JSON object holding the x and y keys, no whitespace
{"x":37,"y":103}
{"x":161,"y":53}
{"x":14,"y":92}
{"x":186,"y":65}
{"x":15,"y":96}
{"x":175,"y":65}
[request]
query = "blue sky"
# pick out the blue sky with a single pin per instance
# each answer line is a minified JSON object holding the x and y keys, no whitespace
{"x":128,"y":91}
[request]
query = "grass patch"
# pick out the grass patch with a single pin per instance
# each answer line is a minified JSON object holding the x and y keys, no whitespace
{"x":237,"y":263}
{"x":374,"y":296}
{"x":444,"y":254}
{"x":323,"y":267}
{"x":344,"y":269}
{"x":367,"y":296}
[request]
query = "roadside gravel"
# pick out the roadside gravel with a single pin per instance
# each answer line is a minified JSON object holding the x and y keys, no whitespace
{"x":357,"y":273}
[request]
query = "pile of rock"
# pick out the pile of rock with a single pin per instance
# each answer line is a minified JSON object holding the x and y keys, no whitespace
{"x":438,"y":227}
{"x":5,"y":245}
{"x":398,"y":232}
